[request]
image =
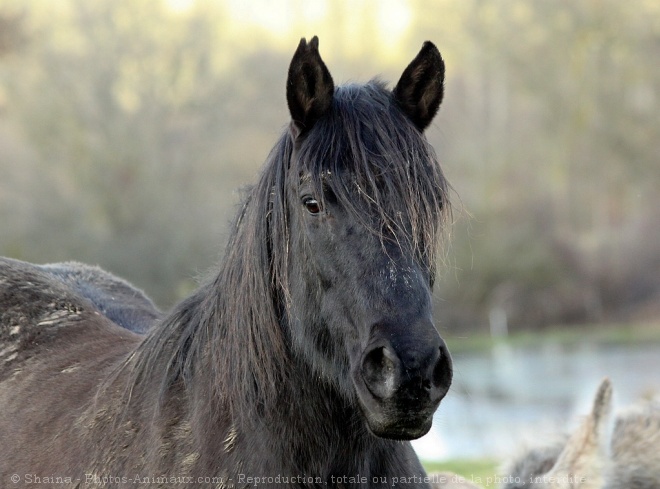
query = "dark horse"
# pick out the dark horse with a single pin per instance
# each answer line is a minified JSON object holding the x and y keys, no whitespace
{"x":310,"y":357}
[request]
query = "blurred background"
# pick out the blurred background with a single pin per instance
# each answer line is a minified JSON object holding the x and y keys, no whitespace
{"x":127,"y":128}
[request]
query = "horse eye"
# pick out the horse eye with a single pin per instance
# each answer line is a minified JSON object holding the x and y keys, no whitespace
{"x":312,"y":206}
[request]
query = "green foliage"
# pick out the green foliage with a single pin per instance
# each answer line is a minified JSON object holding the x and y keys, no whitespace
{"x":481,"y":471}
{"x":126,"y":128}
{"x":555,"y":158}
{"x":125,"y":109}
{"x":635,"y":334}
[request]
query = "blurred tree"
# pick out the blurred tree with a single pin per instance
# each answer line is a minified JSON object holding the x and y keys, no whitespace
{"x":11,"y":32}
{"x":554,"y":113}
{"x":128,"y":107}
{"x":125,"y":128}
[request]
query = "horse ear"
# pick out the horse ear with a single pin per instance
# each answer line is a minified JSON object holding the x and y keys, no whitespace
{"x":309,"y":87}
{"x":421,"y":87}
{"x":585,"y":450}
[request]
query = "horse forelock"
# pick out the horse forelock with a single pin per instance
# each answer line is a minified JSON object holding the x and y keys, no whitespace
{"x":380,"y":168}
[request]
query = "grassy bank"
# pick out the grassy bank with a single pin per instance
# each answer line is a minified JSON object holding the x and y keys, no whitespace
{"x":605,"y":334}
{"x":482,"y":472}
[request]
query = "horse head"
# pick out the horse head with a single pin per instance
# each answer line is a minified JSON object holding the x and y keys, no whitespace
{"x":364,"y":201}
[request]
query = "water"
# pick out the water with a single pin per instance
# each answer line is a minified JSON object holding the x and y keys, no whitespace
{"x":510,"y":397}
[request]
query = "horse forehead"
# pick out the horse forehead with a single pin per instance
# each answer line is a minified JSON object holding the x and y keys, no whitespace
{"x":373,"y":92}
{"x":368,"y":103}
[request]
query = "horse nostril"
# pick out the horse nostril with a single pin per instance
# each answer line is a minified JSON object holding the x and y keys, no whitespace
{"x":379,"y":370}
{"x":443,"y":370}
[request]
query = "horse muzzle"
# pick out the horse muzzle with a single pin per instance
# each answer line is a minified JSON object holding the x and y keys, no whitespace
{"x":401,"y":377}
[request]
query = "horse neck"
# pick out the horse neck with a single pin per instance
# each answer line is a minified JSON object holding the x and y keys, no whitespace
{"x":323,"y":431}
{"x":307,"y":417}
{"x":304,"y":407}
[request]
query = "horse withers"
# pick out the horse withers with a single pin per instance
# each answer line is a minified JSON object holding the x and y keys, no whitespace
{"x":307,"y":360}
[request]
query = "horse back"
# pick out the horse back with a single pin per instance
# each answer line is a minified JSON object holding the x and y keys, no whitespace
{"x":115,"y":298}
{"x":39,"y":311}
{"x":79,"y":284}
{"x":56,"y":350}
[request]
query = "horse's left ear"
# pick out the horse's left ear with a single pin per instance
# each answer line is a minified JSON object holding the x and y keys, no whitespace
{"x":421,"y":87}
{"x":309,"y":87}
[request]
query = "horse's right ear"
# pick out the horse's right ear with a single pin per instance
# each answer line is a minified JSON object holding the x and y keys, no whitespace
{"x":309,"y":87}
